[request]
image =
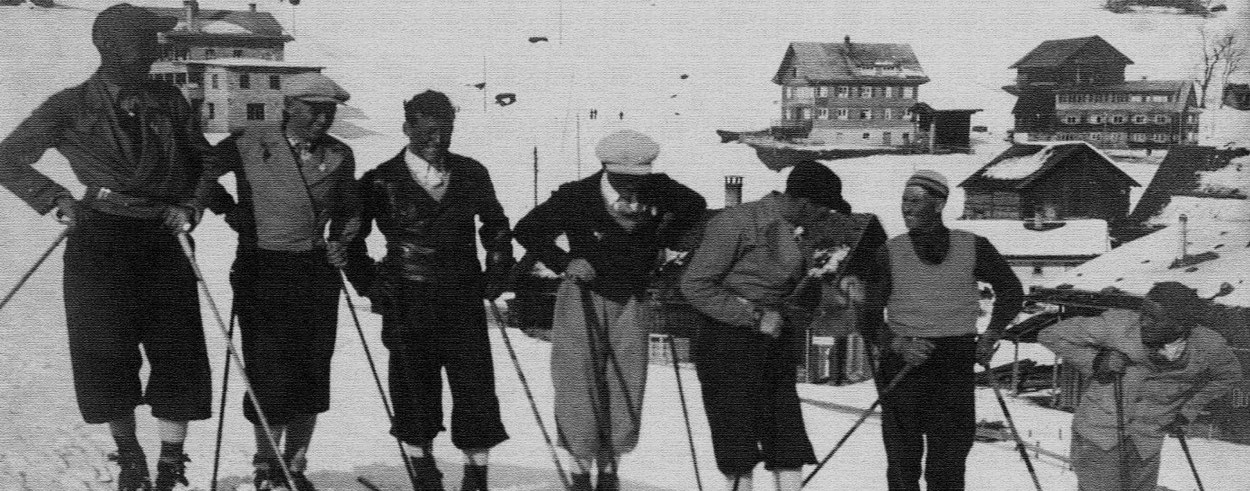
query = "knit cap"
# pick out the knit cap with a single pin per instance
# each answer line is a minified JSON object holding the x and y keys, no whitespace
{"x":931,"y":181}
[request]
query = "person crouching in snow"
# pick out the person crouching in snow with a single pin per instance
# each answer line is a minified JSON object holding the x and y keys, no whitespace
{"x":429,"y":289}
{"x":743,"y":279}
{"x":1169,"y":368}
{"x":616,"y":222}
{"x":293,"y":180}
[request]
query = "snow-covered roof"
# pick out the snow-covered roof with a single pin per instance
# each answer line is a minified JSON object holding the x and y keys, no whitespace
{"x":1020,"y":165}
{"x":851,"y":62}
{"x":1057,"y":52}
{"x":1198,"y":181}
{"x":1076,"y":238}
{"x":1219,"y":252}
{"x":250,"y":63}
{"x":248,"y":23}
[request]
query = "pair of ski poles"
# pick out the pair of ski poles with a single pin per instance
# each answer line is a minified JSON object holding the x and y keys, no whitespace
{"x":1124,"y":441}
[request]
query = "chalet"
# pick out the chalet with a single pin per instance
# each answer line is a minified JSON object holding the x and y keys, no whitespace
{"x":1038,"y":251}
{"x":228,"y":63}
{"x":848,"y":92}
{"x":950,"y":130}
{"x":1050,"y":180}
{"x":1075,"y":89}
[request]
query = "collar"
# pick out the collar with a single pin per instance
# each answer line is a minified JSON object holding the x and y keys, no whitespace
{"x":414,"y":161}
{"x":610,"y":195}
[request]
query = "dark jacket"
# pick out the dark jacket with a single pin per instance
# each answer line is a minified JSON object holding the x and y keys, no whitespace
{"x":84,"y":124}
{"x":623,"y":259}
{"x":428,"y":241}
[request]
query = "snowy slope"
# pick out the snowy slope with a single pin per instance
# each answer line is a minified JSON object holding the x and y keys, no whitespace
{"x":613,"y":56}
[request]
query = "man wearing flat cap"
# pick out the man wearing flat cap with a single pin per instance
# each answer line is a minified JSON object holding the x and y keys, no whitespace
{"x":136,"y":145}
{"x":616,"y":222}
{"x":293,"y":179}
{"x":430,"y":285}
{"x":926,"y":280}
{"x":1168,"y":366}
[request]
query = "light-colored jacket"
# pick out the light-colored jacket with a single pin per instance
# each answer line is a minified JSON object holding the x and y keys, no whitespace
{"x":1153,"y":394}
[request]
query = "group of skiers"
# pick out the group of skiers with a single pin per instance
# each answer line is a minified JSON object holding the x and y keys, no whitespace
{"x":760,"y":273}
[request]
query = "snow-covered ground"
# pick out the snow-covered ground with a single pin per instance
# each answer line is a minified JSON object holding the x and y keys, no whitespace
{"x":617,"y":57}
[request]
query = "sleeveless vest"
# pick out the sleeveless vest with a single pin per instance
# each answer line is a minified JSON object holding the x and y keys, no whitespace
{"x":285,"y":217}
{"x":933,"y":300}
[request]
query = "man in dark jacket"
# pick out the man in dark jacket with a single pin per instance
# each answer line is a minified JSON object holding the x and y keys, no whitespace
{"x":927,"y":280}
{"x":292,"y":180}
{"x":429,"y":288}
{"x":136,"y":145}
{"x":616,"y":222}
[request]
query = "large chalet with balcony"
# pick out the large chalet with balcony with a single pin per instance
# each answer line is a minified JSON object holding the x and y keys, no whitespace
{"x":843,"y":93}
{"x":228,"y":63}
{"x":1075,"y":89}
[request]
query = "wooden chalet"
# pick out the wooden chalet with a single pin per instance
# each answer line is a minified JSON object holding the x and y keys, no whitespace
{"x":1048,"y":180}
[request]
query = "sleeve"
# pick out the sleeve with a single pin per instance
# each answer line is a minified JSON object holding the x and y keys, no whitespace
{"x":495,"y":234}
{"x":683,"y":208}
{"x":1223,"y":374}
{"x":992,"y":268}
{"x":877,"y":287}
{"x":1078,"y":340}
{"x":345,"y":221}
{"x":361,"y":268}
{"x":25,"y":146}
{"x":202,"y":151}
{"x":703,"y":281}
{"x":538,"y":230}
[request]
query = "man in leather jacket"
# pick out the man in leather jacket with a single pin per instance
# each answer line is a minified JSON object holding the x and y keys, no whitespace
{"x":429,"y":288}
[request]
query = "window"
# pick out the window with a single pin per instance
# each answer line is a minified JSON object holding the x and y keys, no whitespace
{"x":210,"y":53}
{"x":805,"y":113}
{"x":1160,"y":98}
{"x":843,"y":113}
{"x":1037,"y":269}
{"x":794,"y":72}
{"x":844,"y":92}
{"x":865,"y":114}
{"x":238,"y":53}
{"x":889,"y":113}
{"x":878,"y":92}
{"x":1139,"y":119}
{"x":180,"y":78}
{"x":822,"y":112}
{"x":1098,"y":119}
{"x":255,"y":112}
{"x":803,"y":92}
{"x":1119,"y":98}
{"x":822,"y":91}
{"x":1071,"y":119}
{"x":1139,"y":137}
{"x":865,"y":92}
{"x":1118,"y":119}
{"x":1160,"y":138}
{"x":1191,"y":118}
{"x":214,"y":79}
{"x":275,"y":82}
{"x":212,"y":110}
{"x":912,"y":90}
{"x":1162,"y":119}
{"x":1137,"y":98}
{"x":245,"y":81}
{"x":867,"y":135}
{"x":1062,"y":98}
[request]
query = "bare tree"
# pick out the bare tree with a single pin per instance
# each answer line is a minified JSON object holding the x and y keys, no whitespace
{"x":1216,"y":52}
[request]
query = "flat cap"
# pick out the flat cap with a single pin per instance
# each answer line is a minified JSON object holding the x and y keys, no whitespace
{"x":627,"y":152}
{"x":313,"y":87}
{"x":932,"y":181}
{"x":127,"y":18}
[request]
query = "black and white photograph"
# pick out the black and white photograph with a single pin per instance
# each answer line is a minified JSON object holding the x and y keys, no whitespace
{"x":648,"y":245}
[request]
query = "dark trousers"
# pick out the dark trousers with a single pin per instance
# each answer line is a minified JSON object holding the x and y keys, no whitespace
{"x":931,"y":413}
{"x":434,"y":329}
{"x":128,"y":284}
{"x":750,"y":399}
{"x":287,"y":304}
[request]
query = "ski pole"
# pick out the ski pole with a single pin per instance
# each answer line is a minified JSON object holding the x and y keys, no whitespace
{"x":1011,"y":424}
{"x":681,"y":393}
{"x":43,"y":257}
{"x":386,"y":403}
{"x":233,"y":354}
{"x":599,"y":361}
{"x":863,"y":416}
{"x":1180,"y":436}
{"x":1121,"y":433}
{"x":221,"y":411}
{"x":516,"y":363}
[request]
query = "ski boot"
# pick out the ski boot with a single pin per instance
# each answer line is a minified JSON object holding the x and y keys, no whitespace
{"x":268,"y":476}
{"x":171,"y":475}
{"x":427,"y":477}
{"x":607,"y":481}
{"x":474,"y":478}
{"x":581,"y":482}
{"x":301,"y":483}
{"x":133,"y":475}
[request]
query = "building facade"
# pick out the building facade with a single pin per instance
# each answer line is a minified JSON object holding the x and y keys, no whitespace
{"x":1075,"y":89}
{"x":844,"y":93}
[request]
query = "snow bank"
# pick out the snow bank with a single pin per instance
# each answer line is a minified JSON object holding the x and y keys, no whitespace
{"x":1013,"y":239}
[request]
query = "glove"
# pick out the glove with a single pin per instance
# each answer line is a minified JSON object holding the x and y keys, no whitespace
{"x":180,"y":219}
{"x":580,"y":270}
{"x":382,"y":296}
{"x":1177,"y":426}
{"x":769,"y":323}
{"x":336,"y":254}
{"x":986,"y":346}
{"x":1109,"y":364}
{"x":67,"y":211}
{"x":915,"y":351}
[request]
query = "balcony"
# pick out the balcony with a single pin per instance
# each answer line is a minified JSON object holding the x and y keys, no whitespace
{"x":791,"y":128}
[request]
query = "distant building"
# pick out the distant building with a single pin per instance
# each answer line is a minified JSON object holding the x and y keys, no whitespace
{"x":849,"y":92}
{"x":1039,"y":251}
{"x":1237,"y":96}
{"x":949,"y":130}
{"x":1075,"y":89}
{"x":1048,"y":180}
{"x":228,"y":63}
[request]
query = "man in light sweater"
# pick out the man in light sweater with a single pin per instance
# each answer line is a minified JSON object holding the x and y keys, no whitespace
{"x":927,"y":281}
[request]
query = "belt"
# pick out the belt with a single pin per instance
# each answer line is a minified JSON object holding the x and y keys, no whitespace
{"x":106,"y":200}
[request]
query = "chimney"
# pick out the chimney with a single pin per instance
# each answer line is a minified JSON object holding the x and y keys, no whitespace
{"x":251,"y":7}
{"x":191,"y":8}
{"x":1184,"y":222}
{"x":733,"y":191}
{"x":847,"y":40}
